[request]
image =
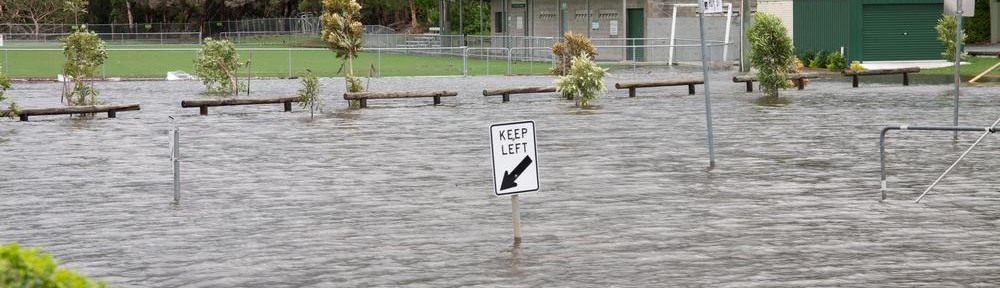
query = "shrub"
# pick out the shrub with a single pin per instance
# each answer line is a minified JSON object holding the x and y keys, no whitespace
{"x":856,"y":66}
{"x":770,"y":52}
{"x":572,"y":46}
{"x":342,"y":34}
{"x":835,"y":61}
{"x":217,"y":65}
{"x":818,"y":60}
{"x":806,"y":56}
{"x":584,"y":78}
{"x":84,"y":53}
{"x":796,"y":67}
{"x":31,"y":268}
{"x":309,"y":94}
{"x":12,"y":109}
{"x":946,"y":27}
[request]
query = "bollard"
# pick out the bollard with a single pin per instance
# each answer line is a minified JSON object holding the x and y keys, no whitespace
{"x":175,"y":162}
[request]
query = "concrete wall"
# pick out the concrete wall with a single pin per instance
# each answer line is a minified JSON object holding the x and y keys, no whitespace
{"x":780,"y":8}
{"x":541,"y":18}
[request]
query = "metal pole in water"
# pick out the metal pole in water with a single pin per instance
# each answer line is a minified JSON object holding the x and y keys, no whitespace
{"x":249,"y":61}
{"x":516,"y":212}
{"x":989,"y":130}
{"x":175,"y":156}
{"x":958,"y":62}
{"x":708,"y":101}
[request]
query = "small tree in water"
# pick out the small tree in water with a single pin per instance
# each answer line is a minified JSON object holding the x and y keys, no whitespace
{"x":309,"y":94}
{"x":572,"y":46}
{"x":84,"y":52}
{"x":217,"y":65}
{"x":342,"y":34}
{"x":771,"y":52}
{"x":946,"y":27}
{"x":584,"y":79}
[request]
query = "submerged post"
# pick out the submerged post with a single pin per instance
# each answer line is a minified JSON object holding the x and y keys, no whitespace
{"x":704,"y":65}
{"x":958,"y":60}
{"x":175,"y":161}
{"x":516,"y":212}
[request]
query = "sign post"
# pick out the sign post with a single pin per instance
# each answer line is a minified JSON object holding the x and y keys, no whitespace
{"x":514,"y":165}
{"x":708,"y":6}
{"x":955,"y":7}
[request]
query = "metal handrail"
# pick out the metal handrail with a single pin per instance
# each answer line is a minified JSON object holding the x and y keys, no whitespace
{"x":921,"y":128}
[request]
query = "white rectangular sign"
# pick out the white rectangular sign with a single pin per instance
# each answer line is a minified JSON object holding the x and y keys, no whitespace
{"x":514,"y":160}
{"x":712,"y":6}
{"x":1,"y":39}
{"x":968,"y":7}
{"x":613,"y":25}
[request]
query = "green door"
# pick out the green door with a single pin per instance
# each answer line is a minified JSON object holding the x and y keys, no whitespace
{"x":634,"y":30}
{"x":900,"y":32}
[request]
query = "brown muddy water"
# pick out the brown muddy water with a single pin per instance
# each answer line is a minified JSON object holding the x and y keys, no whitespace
{"x":400,"y":194}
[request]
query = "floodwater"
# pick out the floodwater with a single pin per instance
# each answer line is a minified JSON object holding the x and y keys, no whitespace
{"x":400,"y":194}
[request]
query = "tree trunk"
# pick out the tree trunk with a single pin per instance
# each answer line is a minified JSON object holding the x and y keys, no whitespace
{"x":128,"y":9}
{"x":413,"y":14}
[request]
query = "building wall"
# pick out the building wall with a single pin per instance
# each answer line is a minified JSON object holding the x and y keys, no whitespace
{"x":782,"y":9}
{"x":821,"y":25}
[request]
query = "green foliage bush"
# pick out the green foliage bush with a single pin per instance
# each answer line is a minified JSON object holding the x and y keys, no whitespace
{"x":31,"y":268}
{"x":309,"y":93}
{"x":806,"y":56}
{"x":856,"y":66}
{"x":12,"y":108}
{"x":217,"y":65}
{"x":573,"y":45}
{"x":946,"y":27}
{"x":818,"y":60}
{"x":584,"y":79}
{"x":85,"y":52}
{"x":770,"y":52}
{"x":978,"y":27}
{"x":835,"y":61}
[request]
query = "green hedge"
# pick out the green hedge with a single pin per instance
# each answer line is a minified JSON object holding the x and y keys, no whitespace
{"x":30,"y":267}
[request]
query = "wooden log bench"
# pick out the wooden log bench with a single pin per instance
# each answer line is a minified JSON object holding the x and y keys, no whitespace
{"x":203,"y":104}
{"x":111,"y":109}
{"x":984,"y":53}
{"x":799,"y":78}
{"x":905,"y":71}
{"x":363,"y":97}
{"x":632,"y":85}
{"x":518,"y":90}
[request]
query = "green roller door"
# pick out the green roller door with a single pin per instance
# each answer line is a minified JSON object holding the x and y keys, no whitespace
{"x":900,"y":32}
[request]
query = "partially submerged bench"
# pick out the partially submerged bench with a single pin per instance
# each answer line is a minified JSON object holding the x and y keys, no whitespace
{"x":111,"y":109}
{"x":203,"y":104}
{"x":799,"y":78}
{"x":632,"y":85}
{"x":364,"y":96}
{"x":518,"y":90}
{"x":905,"y":71}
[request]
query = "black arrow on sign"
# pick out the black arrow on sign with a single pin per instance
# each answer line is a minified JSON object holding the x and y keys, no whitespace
{"x":509,"y":178}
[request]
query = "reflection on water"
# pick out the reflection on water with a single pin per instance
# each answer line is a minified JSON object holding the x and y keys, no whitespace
{"x":776,"y":101}
{"x":400,"y":194}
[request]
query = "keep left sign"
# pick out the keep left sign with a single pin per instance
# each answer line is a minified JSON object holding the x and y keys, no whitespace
{"x":515,"y":167}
